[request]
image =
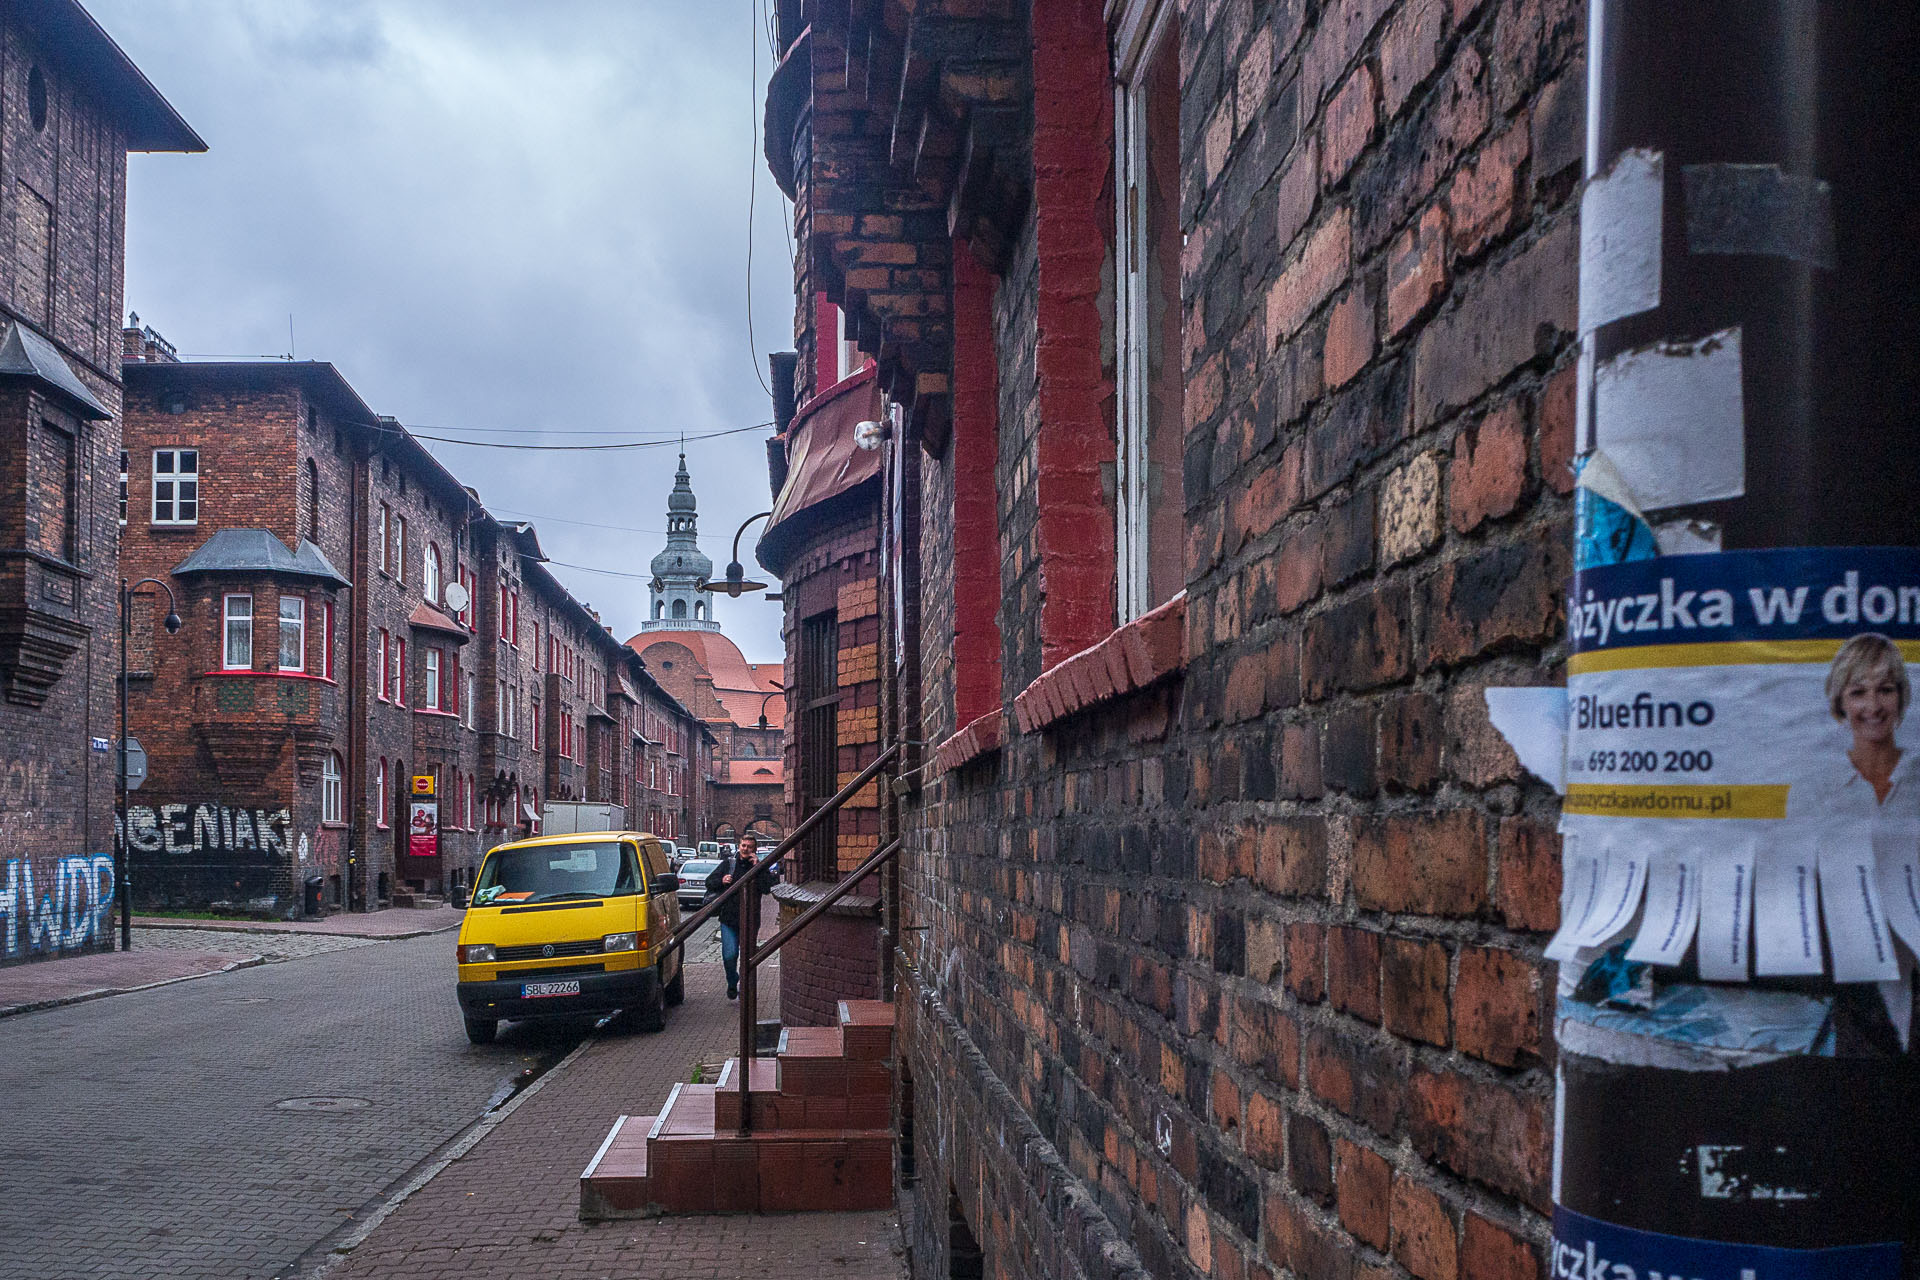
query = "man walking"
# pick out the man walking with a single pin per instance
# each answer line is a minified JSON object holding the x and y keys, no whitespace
{"x":728,"y":915}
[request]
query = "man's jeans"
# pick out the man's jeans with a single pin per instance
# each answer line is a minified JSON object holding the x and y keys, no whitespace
{"x":730,"y":955}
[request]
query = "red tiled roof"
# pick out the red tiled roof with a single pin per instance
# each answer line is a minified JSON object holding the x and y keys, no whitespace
{"x":755,"y":772}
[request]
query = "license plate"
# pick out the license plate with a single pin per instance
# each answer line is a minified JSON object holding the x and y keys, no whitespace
{"x":534,"y":990}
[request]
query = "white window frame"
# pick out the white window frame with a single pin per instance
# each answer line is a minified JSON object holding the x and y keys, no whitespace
{"x":430,"y":575}
{"x":433,"y":690}
{"x":848,"y":358}
{"x":1141,"y":27}
{"x":380,"y":665}
{"x":126,"y":460}
{"x":380,"y":795}
{"x":236,"y":625}
{"x":176,"y":477}
{"x":331,"y":788}
{"x":384,"y":526}
{"x":400,"y":547}
{"x":467,"y":699}
{"x":297,"y":622}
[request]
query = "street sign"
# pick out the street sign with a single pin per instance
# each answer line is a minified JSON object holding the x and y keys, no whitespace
{"x":136,"y":764}
{"x":423,"y":784}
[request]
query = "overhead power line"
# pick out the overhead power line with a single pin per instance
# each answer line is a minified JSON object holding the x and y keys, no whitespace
{"x":577,"y":448}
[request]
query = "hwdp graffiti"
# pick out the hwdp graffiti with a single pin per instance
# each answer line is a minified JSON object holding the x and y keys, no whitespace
{"x":209,"y":832}
{"x":68,"y":911}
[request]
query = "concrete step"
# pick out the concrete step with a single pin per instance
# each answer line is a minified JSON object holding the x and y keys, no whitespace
{"x":615,"y":1184}
{"x":866,"y":1029}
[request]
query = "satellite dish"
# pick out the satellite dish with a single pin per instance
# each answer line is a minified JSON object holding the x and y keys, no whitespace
{"x":456,"y":597}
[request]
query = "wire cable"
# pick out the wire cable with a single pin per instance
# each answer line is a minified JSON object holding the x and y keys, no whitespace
{"x":582,"y":448}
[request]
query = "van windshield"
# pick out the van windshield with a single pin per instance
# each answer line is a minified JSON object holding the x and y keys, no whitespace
{"x":549,"y":872}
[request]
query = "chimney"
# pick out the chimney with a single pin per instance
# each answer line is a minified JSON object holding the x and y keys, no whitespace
{"x":139,"y":344}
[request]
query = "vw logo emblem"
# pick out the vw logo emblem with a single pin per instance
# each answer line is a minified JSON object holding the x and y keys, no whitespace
{"x":547,"y":951}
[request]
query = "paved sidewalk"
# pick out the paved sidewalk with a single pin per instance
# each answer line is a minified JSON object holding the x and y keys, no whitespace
{"x":508,"y":1207}
{"x":394,"y":922}
{"x":44,"y":984}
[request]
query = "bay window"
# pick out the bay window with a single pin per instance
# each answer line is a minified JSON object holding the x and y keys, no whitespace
{"x":293,"y":633}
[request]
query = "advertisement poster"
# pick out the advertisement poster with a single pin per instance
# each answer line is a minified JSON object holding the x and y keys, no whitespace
{"x":423,"y":828}
{"x":1739,"y":769}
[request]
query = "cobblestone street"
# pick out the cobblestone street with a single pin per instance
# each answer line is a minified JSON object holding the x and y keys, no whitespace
{"x":269,"y":946}
{"x":143,"y":1136}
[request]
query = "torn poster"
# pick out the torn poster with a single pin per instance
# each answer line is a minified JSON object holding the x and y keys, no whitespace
{"x":1534,"y":723}
{"x":1620,"y":230}
{"x":1740,"y":717}
{"x":1672,"y":419}
{"x":1608,"y":527}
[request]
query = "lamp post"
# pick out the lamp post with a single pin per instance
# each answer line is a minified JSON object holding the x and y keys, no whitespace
{"x":778,"y":690}
{"x":736,"y":580}
{"x":122,"y":860}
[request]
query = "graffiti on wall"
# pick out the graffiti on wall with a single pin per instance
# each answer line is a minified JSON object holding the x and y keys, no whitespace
{"x":207,"y":853}
{"x":210,"y":832}
{"x":70,"y":910}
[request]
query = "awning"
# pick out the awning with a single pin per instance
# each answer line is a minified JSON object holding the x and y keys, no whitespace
{"x":427,"y":618}
{"x":823,"y":460}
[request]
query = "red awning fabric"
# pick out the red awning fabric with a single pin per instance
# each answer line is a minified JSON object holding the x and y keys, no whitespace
{"x":822,"y":459}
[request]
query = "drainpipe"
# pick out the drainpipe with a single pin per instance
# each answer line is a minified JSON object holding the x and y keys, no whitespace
{"x":1737,"y":1087}
{"x":355,"y":694}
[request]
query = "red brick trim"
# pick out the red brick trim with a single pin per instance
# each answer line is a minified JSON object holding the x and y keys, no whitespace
{"x":1073,"y":223}
{"x":983,"y":734}
{"x":1132,"y":657}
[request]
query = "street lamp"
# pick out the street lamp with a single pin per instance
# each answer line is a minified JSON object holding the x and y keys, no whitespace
{"x":736,"y":580}
{"x":779,"y":689}
{"x":122,"y":847}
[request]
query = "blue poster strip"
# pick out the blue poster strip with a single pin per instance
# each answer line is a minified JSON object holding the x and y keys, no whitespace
{"x":1585,"y":1248}
{"x":1797,"y":593}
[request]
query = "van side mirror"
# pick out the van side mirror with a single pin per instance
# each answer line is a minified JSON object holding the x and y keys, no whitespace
{"x":666,"y":882}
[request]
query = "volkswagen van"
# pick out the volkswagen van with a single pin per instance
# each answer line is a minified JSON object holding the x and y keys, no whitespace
{"x":570,"y":924}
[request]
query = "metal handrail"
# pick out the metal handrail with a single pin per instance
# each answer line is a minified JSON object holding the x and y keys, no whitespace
{"x":839,"y":891}
{"x":812,"y":820}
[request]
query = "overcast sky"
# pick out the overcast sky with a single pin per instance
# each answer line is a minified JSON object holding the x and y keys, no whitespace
{"x":492,"y":216}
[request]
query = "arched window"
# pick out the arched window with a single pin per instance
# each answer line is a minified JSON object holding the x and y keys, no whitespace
{"x":659,"y":608}
{"x":330,"y":774}
{"x":431,"y":586}
{"x":699,"y":608}
{"x":313,"y":501}
{"x":679,"y":608}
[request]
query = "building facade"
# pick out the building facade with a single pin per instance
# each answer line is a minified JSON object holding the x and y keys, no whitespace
{"x":71,"y":107}
{"x":741,"y":704}
{"x":376,"y":681}
{"x":1227,"y":361}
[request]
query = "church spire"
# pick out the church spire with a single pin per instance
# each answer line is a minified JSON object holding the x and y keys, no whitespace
{"x":678,"y":603}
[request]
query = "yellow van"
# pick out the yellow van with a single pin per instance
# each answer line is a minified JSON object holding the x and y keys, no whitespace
{"x":570,"y":924}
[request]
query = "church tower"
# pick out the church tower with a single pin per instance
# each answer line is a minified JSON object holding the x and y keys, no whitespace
{"x":680,"y":568}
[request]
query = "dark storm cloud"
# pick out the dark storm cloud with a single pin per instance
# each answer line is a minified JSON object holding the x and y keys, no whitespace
{"x":488,"y":215}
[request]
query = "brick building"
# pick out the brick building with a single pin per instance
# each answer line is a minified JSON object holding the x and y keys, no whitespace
{"x":742,"y":704}
{"x":1226,"y":354}
{"x":71,"y":107}
{"x":289,"y":520}
{"x":823,"y":541}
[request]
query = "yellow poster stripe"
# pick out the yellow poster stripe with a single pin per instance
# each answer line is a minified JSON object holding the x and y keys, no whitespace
{"x":1727,"y":653}
{"x":1610,"y":800}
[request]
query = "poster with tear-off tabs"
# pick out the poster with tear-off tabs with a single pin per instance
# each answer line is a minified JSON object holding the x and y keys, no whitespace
{"x":1741,"y":741}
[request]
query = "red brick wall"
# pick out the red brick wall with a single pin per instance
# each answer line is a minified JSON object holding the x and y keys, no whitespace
{"x":1245,"y":965}
{"x":832,"y":959}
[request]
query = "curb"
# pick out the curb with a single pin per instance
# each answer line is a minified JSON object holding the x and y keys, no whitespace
{"x":100,"y":993}
{"x":223,"y":926}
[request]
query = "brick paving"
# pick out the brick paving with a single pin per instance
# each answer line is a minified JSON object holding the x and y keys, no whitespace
{"x":43,"y":984}
{"x":271,"y":947}
{"x":509,"y":1207}
{"x":141,"y":1136}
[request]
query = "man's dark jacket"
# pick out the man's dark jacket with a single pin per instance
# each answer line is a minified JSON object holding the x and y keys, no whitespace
{"x":733,"y":864}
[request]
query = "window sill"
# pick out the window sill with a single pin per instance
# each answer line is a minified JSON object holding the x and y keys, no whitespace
{"x":267,"y":675}
{"x":435,"y":711}
{"x":1141,"y":653}
{"x":983,"y":734}
{"x":333,"y":826}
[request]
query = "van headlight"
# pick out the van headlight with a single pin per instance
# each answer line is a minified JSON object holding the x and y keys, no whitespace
{"x":620,"y":942}
{"x":476,"y":953}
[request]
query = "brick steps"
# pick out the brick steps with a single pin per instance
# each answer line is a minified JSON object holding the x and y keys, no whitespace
{"x":822,"y":1136}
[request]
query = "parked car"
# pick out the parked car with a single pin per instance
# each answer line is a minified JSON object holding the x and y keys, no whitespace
{"x":693,"y":881}
{"x":569,"y":924}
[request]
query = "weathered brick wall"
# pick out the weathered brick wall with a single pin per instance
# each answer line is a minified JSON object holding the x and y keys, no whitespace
{"x":1241,"y":972}
{"x":833,"y":959}
{"x":62,"y":246}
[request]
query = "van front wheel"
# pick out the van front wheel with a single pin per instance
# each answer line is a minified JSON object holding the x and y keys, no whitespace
{"x":480,"y":1030}
{"x":649,"y":1015}
{"x":677,"y":989}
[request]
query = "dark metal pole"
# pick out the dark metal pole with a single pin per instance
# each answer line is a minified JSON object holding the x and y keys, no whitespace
{"x":749,"y":933}
{"x":123,"y":854}
{"x":1776,"y":143}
